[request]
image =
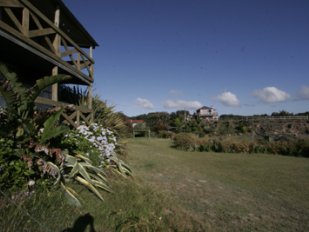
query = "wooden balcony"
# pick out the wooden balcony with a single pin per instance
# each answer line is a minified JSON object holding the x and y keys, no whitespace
{"x":42,"y":37}
{"x":49,"y":31}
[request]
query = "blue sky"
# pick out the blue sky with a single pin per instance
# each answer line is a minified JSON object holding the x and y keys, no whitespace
{"x":239,"y":56}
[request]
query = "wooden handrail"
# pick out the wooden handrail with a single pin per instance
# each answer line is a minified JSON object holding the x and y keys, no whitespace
{"x":49,"y":102}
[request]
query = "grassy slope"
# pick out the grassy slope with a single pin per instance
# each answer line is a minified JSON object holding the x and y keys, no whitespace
{"x":234,"y":192}
{"x":179,"y":191}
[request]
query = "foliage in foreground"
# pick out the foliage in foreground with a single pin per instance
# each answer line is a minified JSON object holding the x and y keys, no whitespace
{"x":191,"y":142}
{"x":38,"y":150}
{"x":135,"y":207}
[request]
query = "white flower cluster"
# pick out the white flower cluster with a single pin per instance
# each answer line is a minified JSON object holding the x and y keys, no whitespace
{"x":101,"y":138}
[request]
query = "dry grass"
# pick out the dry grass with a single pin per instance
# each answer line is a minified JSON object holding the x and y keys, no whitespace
{"x":228,"y":192}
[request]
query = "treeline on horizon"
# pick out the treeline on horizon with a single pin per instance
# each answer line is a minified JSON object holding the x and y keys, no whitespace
{"x":232,"y":133}
{"x":183,"y":121}
{"x":186,"y":112}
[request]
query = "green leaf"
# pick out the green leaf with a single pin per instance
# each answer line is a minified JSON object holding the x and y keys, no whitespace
{"x":83,"y":172}
{"x":89,"y":186}
{"x":50,"y":130}
{"x":20,"y":132}
{"x":71,"y":194}
{"x":74,"y":170}
{"x":44,"y":82}
{"x":83,"y":158}
{"x":102,"y":185}
{"x":54,"y":169}
{"x":70,"y":160}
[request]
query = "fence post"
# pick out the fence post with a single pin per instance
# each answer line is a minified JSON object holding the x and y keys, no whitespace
{"x":77,"y":117}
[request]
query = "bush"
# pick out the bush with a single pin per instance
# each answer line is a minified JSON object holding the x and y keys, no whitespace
{"x":234,"y":146}
{"x":166,"y":134}
{"x":186,"y":141}
{"x":14,"y":172}
{"x":290,"y":147}
{"x":35,"y":149}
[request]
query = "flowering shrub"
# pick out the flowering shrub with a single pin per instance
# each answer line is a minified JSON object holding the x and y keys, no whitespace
{"x":33,"y":146}
{"x":103,"y":139}
{"x":92,"y":141}
{"x":98,"y":144}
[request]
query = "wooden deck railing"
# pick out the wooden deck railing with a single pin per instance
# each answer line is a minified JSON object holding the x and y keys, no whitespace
{"x":24,"y":24}
{"x":72,"y":114}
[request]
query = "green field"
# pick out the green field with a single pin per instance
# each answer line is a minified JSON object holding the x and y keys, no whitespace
{"x":174,"y":190}
{"x":227,"y":192}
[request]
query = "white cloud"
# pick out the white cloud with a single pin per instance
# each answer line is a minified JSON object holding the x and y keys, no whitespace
{"x":181,"y":104}
{"x":228,"y":99}
{"x":304,"y":92}
{"x":271,"y":95}
{"x":144,"y":103}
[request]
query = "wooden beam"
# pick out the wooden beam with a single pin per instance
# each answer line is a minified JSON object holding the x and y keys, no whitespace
{"x":49,"y":102}
{"x":90,"y":94}
{"x":59,"y":31}
{"x":25,"y":22}
{"x":41,"y":32}
{"x":56,"y":45}
{"x":39,"y":25}
{"x":91,"y":65}
{"x":14,"y":19}
{"x":89,"y":97}
{"x":85,"y":64}
{"x":10,"y":3}
{"x":68,"y":52}
{"x":16,"y":37}
{"x":69,"y":120}
{"x":70,"y":55}
{"x":55,"y":71}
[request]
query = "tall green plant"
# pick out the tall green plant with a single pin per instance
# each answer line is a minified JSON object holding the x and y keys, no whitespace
{"x":35,"y":146}
{"x":20,"y":101}
{"x":30,"y":142}
{"x":105,"y":116}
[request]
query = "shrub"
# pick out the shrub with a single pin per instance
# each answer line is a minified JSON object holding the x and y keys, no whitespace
{"x":166,"y":134}
{"x":33,"y":148}
{"x":13,"y":171}
{"x":216,"y":145}
{"x":235,"y":146}
{"x":186,"y":141}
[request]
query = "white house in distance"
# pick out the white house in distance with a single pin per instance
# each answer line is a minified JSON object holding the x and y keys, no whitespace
{"x":207,"y":113}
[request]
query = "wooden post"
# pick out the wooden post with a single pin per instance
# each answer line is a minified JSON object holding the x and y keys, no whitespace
{"x":89,"y":96}
{"x":91,"y":64}
{"x":56,"y":45}
{"x":25,"y":22}
{"x":78,"y":117}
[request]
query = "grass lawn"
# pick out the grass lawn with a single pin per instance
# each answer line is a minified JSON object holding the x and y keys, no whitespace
{"x":175,"y":190}
{"x":227,"y":192}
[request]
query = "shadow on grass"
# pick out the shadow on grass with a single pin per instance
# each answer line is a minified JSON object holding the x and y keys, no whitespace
{"x":81,"y":224}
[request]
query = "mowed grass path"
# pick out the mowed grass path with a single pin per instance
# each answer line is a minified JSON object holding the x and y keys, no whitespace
{"x":227,"y":192}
